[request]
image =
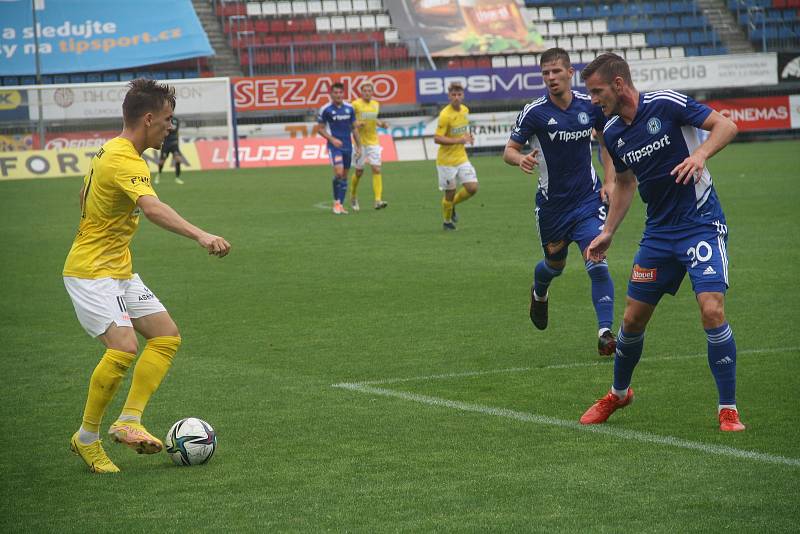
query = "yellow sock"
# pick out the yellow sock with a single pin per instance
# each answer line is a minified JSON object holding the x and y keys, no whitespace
{"x":377,"y":186}
{"x":153,"y":364}
{"x":354,"y":185}
{"x":461,"y":196}
{"x":104,"y":383}
{"x":447,"y":210}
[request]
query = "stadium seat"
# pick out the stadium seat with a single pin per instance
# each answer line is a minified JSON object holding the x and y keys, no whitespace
{"x":314,"y":7}
{"x":382,"y":21}
{"x":269,"y":9}
{"x":579,"y":43}
{"x":587,"y":56}
{"x":368,"y":22}
{"x":498,"y":62}
{"x":676,"y":51}
{"x":125,"y":76}
{"x":608,"y":41}
{"x":12,"y":80}
{"x":253,"y":9}
{"x":329,"y":7}
{"x":638,"y":40}
{"x":96,"y":77}
{"x":391,"y":36}
{"x":632,"y":54}
{"x":624,"y":40}
{"x":345,"y":6}
{"x":27,"y":80}
{"x":353,"y":23}
{"x":323,"y":24}
{"x":584,"y":27}
{"x":648,"y":53}
{"x":299,"y":8}
{"x":338,"y":24}
{"x":58,"y":79}
{"x":360,"y":6}
{"x":555,"y":29}
{"x":114,"y":77}
{"x":599,"y":26}
{"x":662,"y":52}
{"x":374,"y":6}
{"x":284,"y":9}
{"x":546,"y":14}
{"x":564,"y":42}
{"x":529,"y":60}
{"x":570,"y":27}
{"x":513,"y":61}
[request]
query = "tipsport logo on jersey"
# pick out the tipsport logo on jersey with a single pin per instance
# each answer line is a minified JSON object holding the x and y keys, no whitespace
{"x":634,"y":156}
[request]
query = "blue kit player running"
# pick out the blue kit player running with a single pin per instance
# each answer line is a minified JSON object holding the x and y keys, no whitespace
{"x":570,"y":200}
{"x":338,"y":121}
{"x":652,"y":138}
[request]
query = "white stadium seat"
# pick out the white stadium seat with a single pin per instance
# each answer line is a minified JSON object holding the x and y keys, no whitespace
{"x":599,"y":26}
{"x":353,"y":23}
{"x":338,"y":24}
{"x":314,"y":7}
{"x":368,"y":22}
{"x":638,"y":40}
{"x":633,"y":54}
{"x":300,"y":8}
{"x":513,"y":61}
{"x":374,"y":6}
{"x":546,"y":13}
{"x":345,"y":6}
{"x":554,"y":29}
{"x":253,"y":9}
{"x":585,"y":27}
{"x":623,"y":40}
{"x":529,"y":60}
{"x":269,"y":9}
{"x":329,"y":7}
{"x":570,"y":27}
{"x":383,"y":21}
{"x":323,"y":24}
{"x":285,"y":9}
{"x":648,"y":53}
{"x":360,"y":6}
{"x":498,"y":62}
{"x":579,"y":43}
{"x":677,"y":51}
{"x":391,"y":36}
{"x":662,"y":52}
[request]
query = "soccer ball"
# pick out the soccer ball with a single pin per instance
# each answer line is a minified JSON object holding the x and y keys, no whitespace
{"x":191,"y":441}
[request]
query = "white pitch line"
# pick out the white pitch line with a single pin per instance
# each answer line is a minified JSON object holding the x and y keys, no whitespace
{"x":717,"y":450}
{"x":556,"y":366}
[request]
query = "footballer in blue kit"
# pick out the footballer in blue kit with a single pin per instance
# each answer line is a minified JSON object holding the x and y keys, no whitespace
{"x":570,"y":200}
{"x":338,"y":121}
{"x":652,"y":138}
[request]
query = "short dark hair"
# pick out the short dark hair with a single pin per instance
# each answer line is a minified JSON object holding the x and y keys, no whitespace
{"x":145,"y":96}
{"x":455,"y":86}
{"x":337,"y":85}
{"x":608,"y":66}
{"x":554,"y":54}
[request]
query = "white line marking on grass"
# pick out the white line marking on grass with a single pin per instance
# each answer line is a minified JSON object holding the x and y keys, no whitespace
{"x":324,"y":205}
{"x":556,"y":366}
{"x":717,"y":450}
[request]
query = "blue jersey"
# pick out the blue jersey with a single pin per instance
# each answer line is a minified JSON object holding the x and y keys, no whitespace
{"x":566,"y":176}
{"x":338,"y":121}
{"x":663,"y":134}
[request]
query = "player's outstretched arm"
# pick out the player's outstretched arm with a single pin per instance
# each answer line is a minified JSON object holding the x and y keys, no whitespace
{"x":624,"y":187}
{"x":723,"y":130}
{"x":609,"y":173}
{"x":513,"y":156}
{"x":166,"y":217}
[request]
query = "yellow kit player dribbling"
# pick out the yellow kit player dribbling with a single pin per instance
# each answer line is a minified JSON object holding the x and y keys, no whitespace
{"x":367,"y":110}
{"x":111,"y":300}
{"x":452,"y":164}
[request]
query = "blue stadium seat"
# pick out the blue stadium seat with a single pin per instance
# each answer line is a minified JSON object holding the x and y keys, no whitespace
{"x":125,"y":76}
{"x":159,"y":75}
{"x":653,"y":39}
{"x":174,"y":74}
{"x":682,"y":38}
{"x":672,"y":22}
{"x":94,"y":77}
{"x":10,"y":80}
{"x":667,"y":39}
{"x":618,"y":10}
{"x":691,"y":50}
{"x":46,"y":78}
{"x":699,"y":37}
{"x":604,"y":11}
{"x":110,"y":77}
{"x":191,"y":74}
{"x":144,"y":74}
{"x":648,"y":8}
{"x":60,"y":78}
{"x":561,"y":13}
{"x":614,"y":26}
{"x":658,"y":23}
{"x":662,"y":7}
{"x":27,"y":80}
{"x":590,"y":12}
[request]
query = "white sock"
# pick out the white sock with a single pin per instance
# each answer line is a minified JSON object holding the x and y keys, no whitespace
{"x":603,"y":331}
{"x":540,"y":299}
{"x":129,"y":418}
{"x":86,"y":437}
{"x":728,"y":406}
{"x":621,"y":393}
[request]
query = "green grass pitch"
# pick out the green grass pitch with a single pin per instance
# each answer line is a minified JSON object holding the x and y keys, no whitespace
{"x":307,"y":300}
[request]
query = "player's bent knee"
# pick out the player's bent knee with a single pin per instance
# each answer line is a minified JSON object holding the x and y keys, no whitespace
{"x":712,"y":316}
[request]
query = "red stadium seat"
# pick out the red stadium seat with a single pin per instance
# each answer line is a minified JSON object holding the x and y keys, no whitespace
{"x":277,"y":26}
{"x":261,"y":26}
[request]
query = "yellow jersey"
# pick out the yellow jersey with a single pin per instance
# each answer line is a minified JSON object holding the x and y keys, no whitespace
{"x":367,"y":113}
{"x":452,"y":123}
{"x":109,"y":216}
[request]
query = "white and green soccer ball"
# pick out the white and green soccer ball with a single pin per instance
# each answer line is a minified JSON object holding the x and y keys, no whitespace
{"x":191,"y":441}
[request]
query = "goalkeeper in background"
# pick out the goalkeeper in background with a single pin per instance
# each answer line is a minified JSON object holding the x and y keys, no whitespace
{"x":171,"y":146}
{"x":367,"y":122}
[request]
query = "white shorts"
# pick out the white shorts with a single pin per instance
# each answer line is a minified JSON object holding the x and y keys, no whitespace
{"x":98,"y":303}
{"x":451,"y":177}
{"x":370,"y":154}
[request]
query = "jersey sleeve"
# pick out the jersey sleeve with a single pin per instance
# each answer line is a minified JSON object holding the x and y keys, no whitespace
{"x":523,"y":129}
{"x":352,"y":116}
{"x":321,"y":115}
{"x":442,"y":125}
{"x":133,"y":177}
{"x":694,"y":112}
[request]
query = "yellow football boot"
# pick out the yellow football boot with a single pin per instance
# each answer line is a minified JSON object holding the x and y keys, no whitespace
{"x":94,"y":456}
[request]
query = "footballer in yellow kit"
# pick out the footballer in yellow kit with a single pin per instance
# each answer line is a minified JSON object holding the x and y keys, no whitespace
{"x":111,"y":300}
{"x":452,"y":164}
{"x":367,"y":110}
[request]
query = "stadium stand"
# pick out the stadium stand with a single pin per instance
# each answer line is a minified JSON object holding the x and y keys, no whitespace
{"x":769,"y":24}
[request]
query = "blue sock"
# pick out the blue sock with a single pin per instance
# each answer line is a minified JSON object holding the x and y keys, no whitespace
{"x":335,"y":188}
{"x":542,"y":276}
{"x":722,"y":361}
{"x":629,"y":351}
{"x":344,"y":188}
{"x":602,"y":293}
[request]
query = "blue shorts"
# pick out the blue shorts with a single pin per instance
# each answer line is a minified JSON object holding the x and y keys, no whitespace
{"x":340,"y":157}
{"x":661,"y":263}
{"x":557,"y":231}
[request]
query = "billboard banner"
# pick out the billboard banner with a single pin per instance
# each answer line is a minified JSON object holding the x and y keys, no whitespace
{"x":63,"y":162}
{"x":705,"y":72}
{"x":465,"y":27}
{"x":310,"y":91}
{"x":95,"y":35}
{"x":487,"y":84}
{"x":104,"y":101}
{"x":276,"y":152}
{"x":752,"y":114}
{"x":789,"y":67}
